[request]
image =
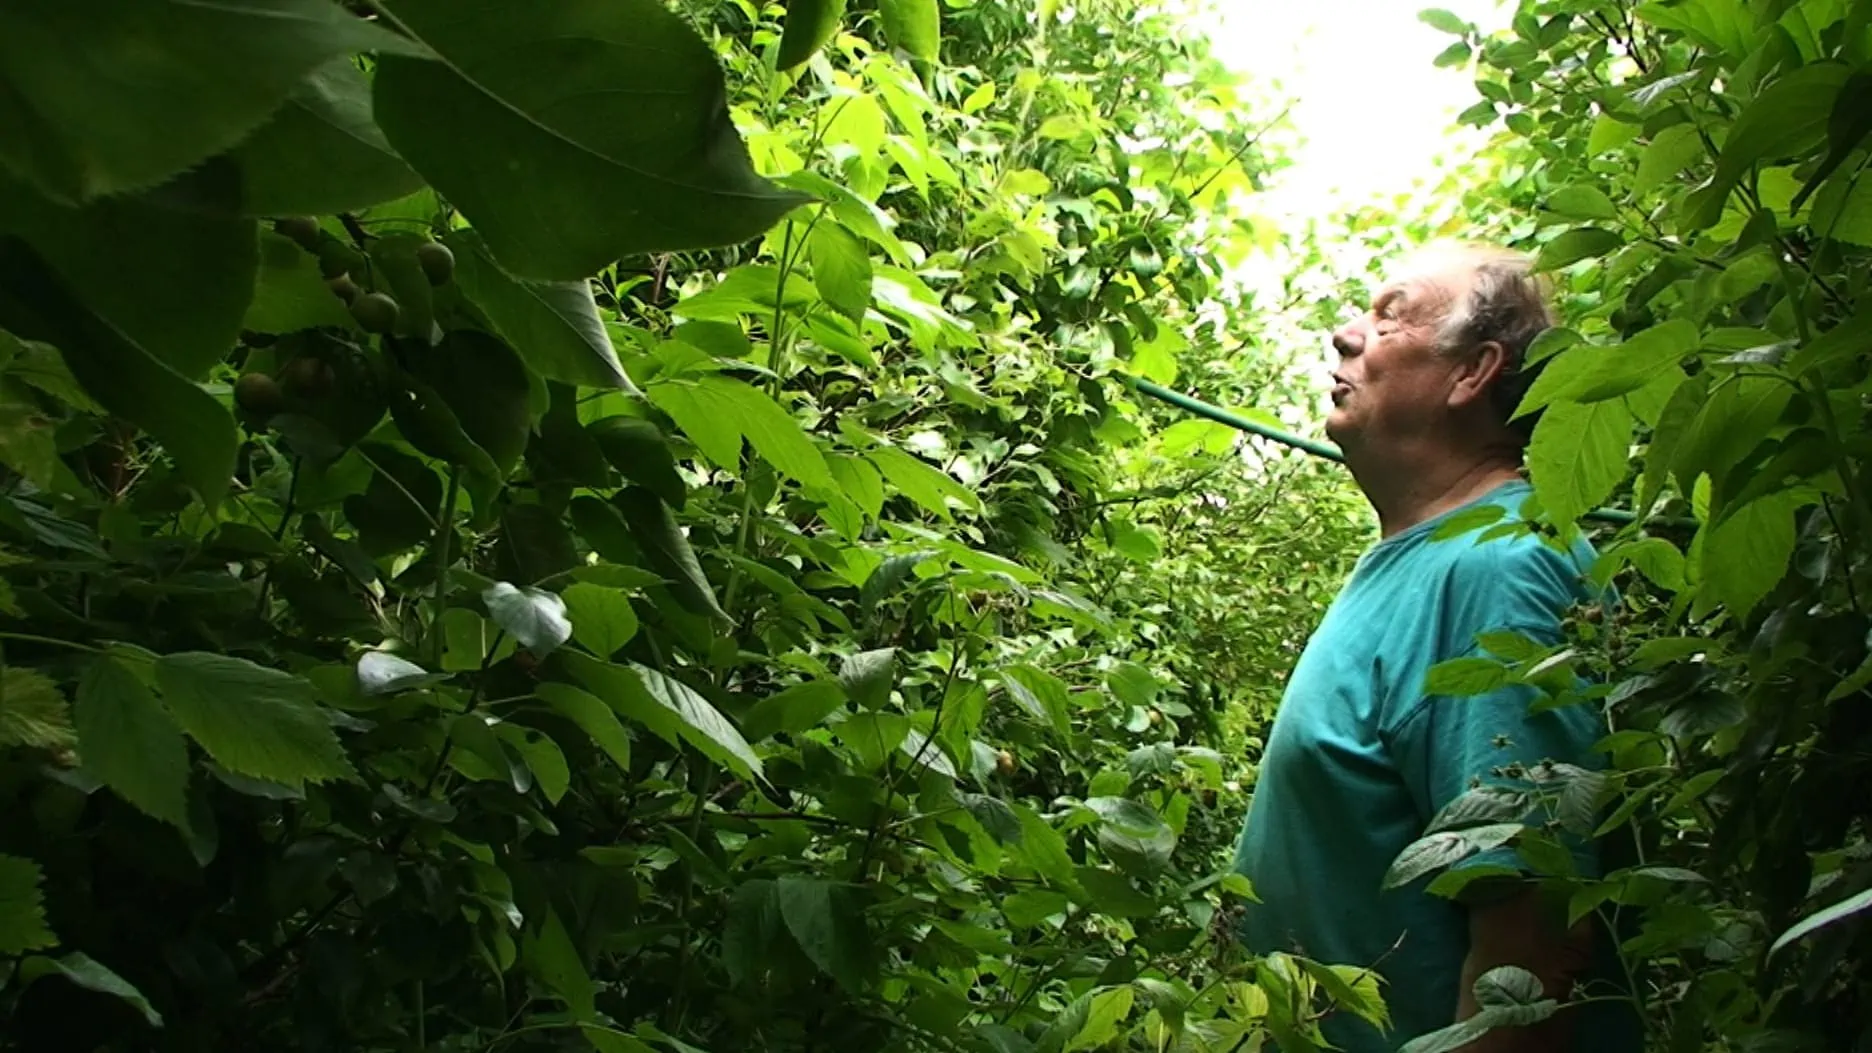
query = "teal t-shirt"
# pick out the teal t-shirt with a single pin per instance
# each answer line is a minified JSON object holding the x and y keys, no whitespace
{"x":1359,"y":759}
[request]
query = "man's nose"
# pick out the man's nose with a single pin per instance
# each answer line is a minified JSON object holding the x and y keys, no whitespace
{"x":1349,"y":339}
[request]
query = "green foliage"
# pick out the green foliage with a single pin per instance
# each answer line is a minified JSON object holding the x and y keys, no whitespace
{"x":1688,"y":175}
{"x":606,"y":525}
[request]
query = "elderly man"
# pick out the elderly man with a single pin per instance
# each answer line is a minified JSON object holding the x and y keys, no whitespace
{"x":1360,"y":758}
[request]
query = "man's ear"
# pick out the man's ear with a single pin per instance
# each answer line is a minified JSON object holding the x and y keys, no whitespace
{"x":1478,"y":373}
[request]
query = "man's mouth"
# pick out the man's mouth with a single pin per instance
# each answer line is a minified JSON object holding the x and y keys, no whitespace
{"x":1340,"y":388}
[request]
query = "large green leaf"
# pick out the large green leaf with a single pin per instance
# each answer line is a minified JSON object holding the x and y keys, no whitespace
{"x":554,"y":325}
{"x":792,"y":710}
{"x":669,"y":708}
{"x":638,"y":449}
{"x":289,"y":294}
{"x":1738,"y":414}
{"x":22,"y":907}
{"x":321,"y":152}
{"x":1109,"y":1009}
{"x":550,"y":955}
{"x":1577,"y":455}
{"x":104,"y":96}
{"x":92,"y":975}
{"x":129,"y":741}
{"x":593,"y":716}
{"x":1575,"y":245}
{"x":717,"y":411}
{"x":178,"y":284}
{"x":827,"y":922}
{"x":252,"y":720}
{"x":809,"y":25}
{"x":532,"y":616}
{"x":841,"y":269}
{"x":667,"y":549}
{"x":1846,"y":908}
{"x":927,"y":486}
{"x":483,"y":384}
{"x":573,"y":133}
{"x":1785,"y":119}
{"x":1745,"y":555}
{"x":124,"y":377}
{"x":913,"y":25}
{"x":602,"y":619}
{"x":867,"y":677}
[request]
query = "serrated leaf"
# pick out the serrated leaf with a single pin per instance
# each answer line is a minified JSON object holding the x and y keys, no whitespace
{"x":252,"y":720}
{"x":649,"y":160}
{"x":859,"y":482}
{"x":1783,"y":119}
{"x":483,"y":387}
{"x":129,"y":741}
{"x":1746,"y":555}
{"x":603,"y":620}
{"x":22,"y":907}
{"x":550,"y":955}
{"x":1029,"y":908}
{"x":1439,"y":850}
{"x":207,"y":262}
{"x":1351,"y":988}
{"x":1577,"y":455}
{"x":1480,"y":806}
{"x":592,"y":716}
{"x":534,"y":617}
{"x":326,"y":119}
{"x":189,"y":80}
{"x":33,"y":712}
{"x":124,"y":377}
{"x":888,"y":576}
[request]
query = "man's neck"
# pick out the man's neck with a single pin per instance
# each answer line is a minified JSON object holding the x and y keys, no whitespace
{"x":1413,"y":486}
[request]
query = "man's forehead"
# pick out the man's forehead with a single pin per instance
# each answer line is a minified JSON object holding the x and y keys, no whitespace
{"x":1422,"y":289}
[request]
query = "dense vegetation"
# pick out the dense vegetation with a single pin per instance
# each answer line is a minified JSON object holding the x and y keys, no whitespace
{"x":537,"y":527}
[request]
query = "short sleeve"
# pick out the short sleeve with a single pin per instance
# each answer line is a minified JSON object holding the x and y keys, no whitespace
{"x":1449,"y":745}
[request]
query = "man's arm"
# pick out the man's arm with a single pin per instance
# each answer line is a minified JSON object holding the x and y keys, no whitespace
{"x":1511,"y":924}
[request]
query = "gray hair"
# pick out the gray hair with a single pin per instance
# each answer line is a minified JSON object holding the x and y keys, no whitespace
{"x":1506,"y":303}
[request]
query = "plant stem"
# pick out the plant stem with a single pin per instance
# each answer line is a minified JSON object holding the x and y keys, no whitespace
{"x":53,"y":641}
{"x":445,"y":531}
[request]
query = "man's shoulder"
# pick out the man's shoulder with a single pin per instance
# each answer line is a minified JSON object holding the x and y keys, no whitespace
{"x":1510,"y":577}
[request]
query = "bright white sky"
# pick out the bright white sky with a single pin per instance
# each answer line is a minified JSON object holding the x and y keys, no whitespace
{"x":1371,"y":110}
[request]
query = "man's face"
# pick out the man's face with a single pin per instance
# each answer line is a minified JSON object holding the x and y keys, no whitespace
{"x":1390,"y":381}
